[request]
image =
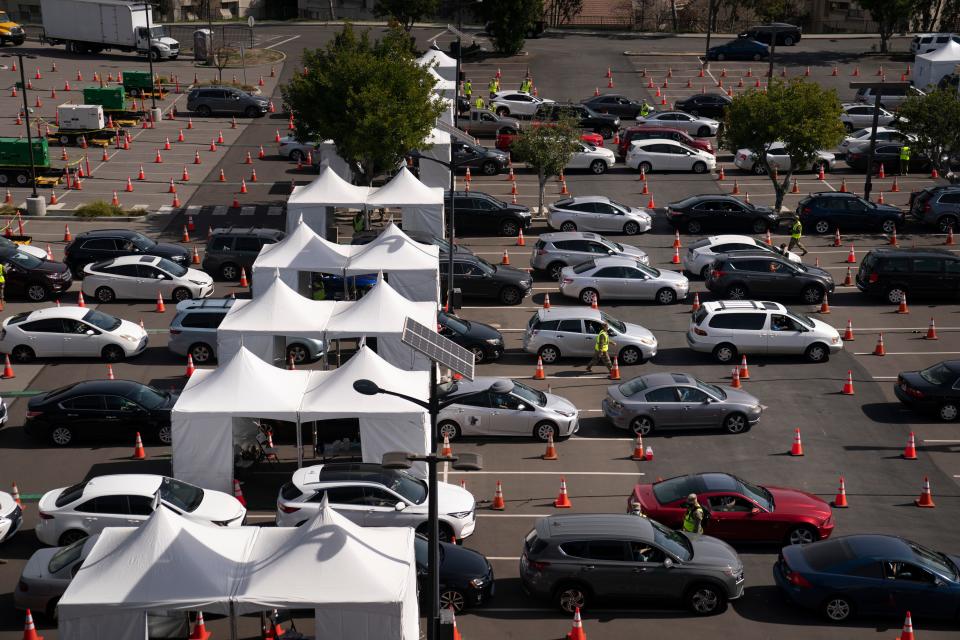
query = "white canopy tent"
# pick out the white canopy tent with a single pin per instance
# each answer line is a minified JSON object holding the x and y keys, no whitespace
{"x":443,"y":87}
{"x":412,"y":268}
{"x":444,"y":65}
{"x":436,"y":146}
{"x":422,"y":205}
{"x":314,"y":201}
{"x":930,"y":67}
{"x":173,"y":564}
{"x":326,"y":155}
{"x":448,"y":109}
{"x":303,"y":250}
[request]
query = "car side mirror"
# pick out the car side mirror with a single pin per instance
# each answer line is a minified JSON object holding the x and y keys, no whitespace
{"x":667,"y":563}
{"x":612,"y":334}
{"x":755,"y":510}
{"x":521,"y":407}
{"x":400,"y":506}
{"x":937,"y":582}
{"x":90,"y":332}
{"x":708,"y":401}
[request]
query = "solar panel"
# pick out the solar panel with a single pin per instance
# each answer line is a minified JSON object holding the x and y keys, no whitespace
{"x":439,"y":349}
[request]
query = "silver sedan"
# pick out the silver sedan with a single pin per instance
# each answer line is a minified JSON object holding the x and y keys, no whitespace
{"x":598,"y":213}
{"x":488,"y":406}
{"x":694,"y":125}
{"x":617,"y":277}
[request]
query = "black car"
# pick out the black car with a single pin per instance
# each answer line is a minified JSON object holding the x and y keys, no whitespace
{"x":230,"y":250}
{"x":888,"y":155}
{"x":825,"y":211}
{"x":920,"y":273}
{"x":786,"y":34}
{"x":764,"y":275}
{"x":614,"y":104}
{"x":477,"y":213}
{"x":100,"y":410}
{"x":708,"y":105}
{"x":489,"y":162}
{"x":477,"y":278}
{"x":466,"y":577}
{"x":935,"y":389}
{"x":739,"y":49}
{"x":484,"y":341}
{"x":604,"y":124}
{"x":719,"y":212}
{"x":31,"y":277}
{"x":105,"y":244}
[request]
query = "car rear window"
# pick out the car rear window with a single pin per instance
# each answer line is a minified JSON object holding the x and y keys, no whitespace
{"x":676,"y":488}
{"x":743,"y":321}
{"x":289,"y":491}
{"x":700,"y":243}
{"x":632,"y":387}
{"x":699,"y":315}
{"x":70,"y":494}
{"x":20,"y":317}
{"x":825,"y":555}
{"x":533,"y":544}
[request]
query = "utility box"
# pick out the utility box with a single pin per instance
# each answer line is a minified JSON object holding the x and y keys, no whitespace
{"x":14,"y":152}
{"x":137,"y":81}
{"x":80,"y":117}
{"x":202,"y":45}
{"x":110,"y":98}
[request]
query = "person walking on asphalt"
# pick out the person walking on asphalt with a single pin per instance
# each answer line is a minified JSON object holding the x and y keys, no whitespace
{"x":479,"y":103}
{"x":693,"y":518}
{"x":493,"y":88}
{"x":904,"y":159}
{"x":796,"y":232}
{"x":468,"y":89}
{"x":601,"y":348}
{"x":526,"y":86}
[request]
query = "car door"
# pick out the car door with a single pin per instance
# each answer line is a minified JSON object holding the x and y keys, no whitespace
{"x":381,"y":508}
{"x":44,"y":336}
{"x":572,"y":340}
{"x":784,"y":280}
{"x":757,"y":275}
{"x":474,"y":414}
{"x":950,"y":281}
{"x":660,"y":156}
{"x":604,"y":566}
{"x":608,"y":217}
{"x":637,"y":285}
{"x":685,"y":122}
{"x":610,"y":282}
{"x":86,"y":416}
{"x":858,"y":215}
{"x":580,"y":159}
{"x":105,"y":511}
{"x":80,"y":339}
{"x":585,"y":216}
{"x":785,"y":335}
{"x":695,"y":408}
{"x":247,"y":248}
{"x":154,"y":281}
{"x":746,"y":330}
{"x":125,"y":417}
{"x":732,"y":517}
{"x":664,"y":407}
{"x":509,"y":419}
{"x":916,"y":589}
{"x":464,"y":214}
{"x":928,"y":277}
{"x":125,"y":280}
{"x":349,"y":501}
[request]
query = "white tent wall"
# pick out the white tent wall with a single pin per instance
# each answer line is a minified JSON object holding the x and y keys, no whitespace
{"x":117,"y":625}
{"x":443,"y":87}
{"x":313,"y":203}
{"x":930,"y":67}
{"x":411,"y":268}
{"x":448,"y":109}
{"x":330,"y":158}
{"x":202,"y":451}
{"x":422,"y":205}
{"x":442,"y":64}
{"x":434,"y":174}
{"x":302,"y":250}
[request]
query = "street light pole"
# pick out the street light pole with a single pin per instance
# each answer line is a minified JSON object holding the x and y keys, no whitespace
{"x":153,"y":93}
{"x":26,"y":120}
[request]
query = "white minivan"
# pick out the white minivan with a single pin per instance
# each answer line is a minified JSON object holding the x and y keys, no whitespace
{"x":927,"y":42}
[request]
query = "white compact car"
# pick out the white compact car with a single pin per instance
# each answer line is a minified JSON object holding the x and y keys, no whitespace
{"x":662,"y":154}
{"x":11,"y":517}
{"x":859,"y":140}
{"x":701,"y":255}
{"x":858,"y":116}
{"x":127,"y":500}
{"x":516,"y":103}
{"x":778,"y":157}
{"x":144,"y":278}
{"x":595,"y":159}
{"x":622,"y":278}
{"x":599,"y":214}
{"x":372,"y":496}
{"x":290,"y":147}
{"x":72,"y":332}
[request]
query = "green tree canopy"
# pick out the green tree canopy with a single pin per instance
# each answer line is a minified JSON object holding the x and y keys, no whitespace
{"x":510,"y":21}
{"x":547,"y":149}
{"x":371,"y":98}
{"x":802,"y":115}
{"x":406,"y":12}
{"x":890,"y":16}
{"x":933,"y":120}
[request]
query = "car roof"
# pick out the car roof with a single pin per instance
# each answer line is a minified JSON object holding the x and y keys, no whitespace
{"x":648,"y":141}
{"x":719,"y":306}
{"x":132,"y":259}
{"x":480,"y":383}
{"x":257,"y":231}
{"x":123,"y":483}
{"x":558,"y":236}
{"x":206,"y":304}
{"x":97,"y":233}
{"x":578,"y":199}
{"x":730,"y":237}
{"x":339,"y":472}
{"x":600,"y":525}
{"x":615,"y":261}
{"x":832,"y":194}
{"x":75,"y":313}
{"x":96,"y":387}
{"x":750,"y":255}
{"x":908,"y":251}
{"x":665,"y":379}
{"x":644,"y":128}
{"x":862,"y":546}
{"x":569,"y":313}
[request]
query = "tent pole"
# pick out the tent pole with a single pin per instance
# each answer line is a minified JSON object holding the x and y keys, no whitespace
{"x":233,"y":622}
{"x":299,"y":444}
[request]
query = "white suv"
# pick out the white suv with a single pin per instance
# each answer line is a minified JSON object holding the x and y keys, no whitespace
{"x":728,"y":328}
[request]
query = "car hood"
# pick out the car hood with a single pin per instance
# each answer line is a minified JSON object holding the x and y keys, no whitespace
{"x":817,"y":271}
{"x":198,"y":276}
{"x":453,"y":499}
{"x":799,"y":503}
{"x":560,"y":404}
{"x":739,"y":396}
{"x":825,"y":328}
{"x":887,"y":208}
{"x":129,"y":328}
{"x":217,"y":506}
{"x":635,"y":331}
{"x":480,"y":331}
{"x":50,"y":266}
{"x":460,"y":561}
{"x":674,"y":277}
{"x":711,"y":552}
{"x":632,"y":251}
{"x":36,"y":252}
{"x":511,"y":274}
{"x":36,"y":567}
{"x":640,"y":212}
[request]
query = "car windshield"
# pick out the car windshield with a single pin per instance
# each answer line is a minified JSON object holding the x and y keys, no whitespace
{"x":406,"y":485}
{"x":67,"y":555}
{"x":934,"y":560}
{"x":672,"y":541}
{"x":710,"y":389}
{"x":25,"y":260}
{"x":454,"y":323}
{"x":802,"y":319}
{"x":148,"y":396}
{"x":621,"y":206}
{"x":101,"y":320}
{"x":172,"y":268}
{"x":613,"y":322}
{"x":647,"y":271}
{"x":142,"y":242}
{"x":181,"y":495}
{"x":632,"y":387}
{"x":529,"y":394}
{"x":759,"y":495}
{"x":485,"y":266}
{"x":938,"y":374}
{"x":583,"y":267}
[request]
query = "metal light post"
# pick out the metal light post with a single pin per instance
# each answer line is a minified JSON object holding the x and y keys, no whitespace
{"x":153,"y":94}
{"x":879,"y":86}
{"x":26,"y":118}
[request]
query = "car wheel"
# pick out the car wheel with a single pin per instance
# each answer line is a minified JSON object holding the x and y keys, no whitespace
{"x":645,"y":167}
{"x":104,"y":294}
{"x":706,"y":600}
{"x":801,"y":535}
{"x":760,"y":226}
{"x":479,"y":355}
{"x":298,"y":353}
{"x":22,"y":354}
{"x":452,"y":599}
{"x":699,"y":167}
{"x":642,"y":425}
{"x":111,"y":353}
{"x":758,"y":169}
{"x":204,"y":111}
{"x":61,"y":436}
{"x":297,"y":155}
{"x":703,"y":132}
{"x":888,"y":226}
{"x":229,"y":271}
{"x":509,"y":228}
{"x":812,"y":294}
{"x":570,"y":597}
{"x":705,"y":272}
{"x":629,"y":356}
{"x":948,"y":412}
{"x":725,"y":353}
{"x":895,"y":294}
{"x":448,"y":429}
{"x":201,"y":353}
{"x":721,"y":57}
{"x":817,"y":352}
{"x":837,"y":608}
{"x":821,"y":226}
{"x":549,"y":354}
{"x":165,"y":435}
{"x":788,"y":41}
{"x":946,"y":224}
{"x":181,"y":293}
{"x":554,"y":269}
{"x":251,"y":112}
{"x":71,"y":536}
{"x":489,"y":168}
{"x":598,"y":167}
{"x":568,"y":226}
{"x":588,"y":296}
{"x":694,"y":227}
{"x":544,"y":430}
{"x":37,"y":292}
{"x":631,"y":228}
{"x":666,"y":296}
{"x":735,"y":423}
{"x":737,"y":292}
{"x":65,"y":140}
{"x":511,"y":295}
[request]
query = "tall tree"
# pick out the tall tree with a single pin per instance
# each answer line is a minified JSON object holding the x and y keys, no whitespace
{"x":565,"y":10}
{"x":547,"y":149}
{"x":802,"y":115}
{"x":933,"y":119}
{"x":509,"y":21}
{"x":371,"y":98}
{"x":890,"y":16}
{"x":406,"y":12}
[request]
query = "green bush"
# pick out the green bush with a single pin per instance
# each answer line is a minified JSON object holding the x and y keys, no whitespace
{"x":103,"y":209}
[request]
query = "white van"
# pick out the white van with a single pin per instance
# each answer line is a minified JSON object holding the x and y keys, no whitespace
{"x":927,"y":42}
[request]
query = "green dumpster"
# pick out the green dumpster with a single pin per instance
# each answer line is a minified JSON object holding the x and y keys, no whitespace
{"x":14,"y":152}
{"x":110,"y":98}
{"x":136,"y":81}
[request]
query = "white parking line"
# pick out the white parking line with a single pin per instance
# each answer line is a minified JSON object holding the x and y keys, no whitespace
{"x":942,"y":441}
{"x":548,"y":473}
{"x":277,"y":44}
{"x":911,"y":353}
{"x":504,"y":558}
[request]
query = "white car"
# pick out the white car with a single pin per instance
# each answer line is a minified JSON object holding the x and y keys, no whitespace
{"x":11,"y":517}
{"x":662,"y":154}
{"x":290,"y":147}
{"x":858,"y":116}
{"x":127,"y":500}
{"x":144,"y":278}
{"x":516,"y":103}
{"x":372,"y":496}
{"x":597,"y":213}
{"x":694,"y":125}
{"x":622,"y":278}
{"x":596,"y":159}
{"x":778,"y":157}
{"x":73,"y":332}
{"x":858,"y":141}
{"x":701,"y":255}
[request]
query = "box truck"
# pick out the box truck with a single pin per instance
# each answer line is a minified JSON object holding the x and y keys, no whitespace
{"x":92,"y":26}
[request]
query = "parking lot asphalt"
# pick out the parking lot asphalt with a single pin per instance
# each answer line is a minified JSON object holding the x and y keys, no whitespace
{"x":859,"y":437}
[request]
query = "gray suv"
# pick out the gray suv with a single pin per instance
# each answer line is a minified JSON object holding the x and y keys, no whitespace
{"x":554,"y":251}
{"x":937,"y":206}
{"x":194,"y":331}
{"x":230,"y":250}
{"x":226,"y":100}
{"x":574,"y":559}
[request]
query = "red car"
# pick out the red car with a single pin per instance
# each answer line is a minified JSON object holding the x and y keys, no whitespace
{"x":645,"y":132}
{"x":504,"y":140}
{"x":739,"y":511}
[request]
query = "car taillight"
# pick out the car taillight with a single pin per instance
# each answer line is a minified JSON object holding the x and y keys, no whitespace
{"x":34,"y":414}
{"x":699,"y":331}
{"x":874,"y":277}
{"x":716,"y":273}
{"x":45,"y":516}
{"x":288,"y":509}
{"x":798,"y":580}
{"x":541,"y":252}
{"x":567,"y":280}
{"x":175,"y":332}
{"x":914,"y":393}
{"x":805,"y":211}
{"x":538,"y":565}
{"x":927,"y":208}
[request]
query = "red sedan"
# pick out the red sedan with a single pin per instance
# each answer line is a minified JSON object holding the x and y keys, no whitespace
{"x":739,"y":511}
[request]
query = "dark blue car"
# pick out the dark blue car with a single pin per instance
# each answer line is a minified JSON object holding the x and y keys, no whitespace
{"x":739,"y":49}
{"x":870,"y":575}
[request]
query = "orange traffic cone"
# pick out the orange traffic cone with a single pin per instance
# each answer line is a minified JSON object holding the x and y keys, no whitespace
{"x":852,"y":256}
{"x":161,"y":308}
{"x":676,"y":257}
{"x":736,"y":188}
{"x":931,"y":331}
{"x":537,"y":375}
{"x":848,"y":280}
{"x":879,"y":350}
{"x":551,"y":452}
{"x":676,"y":240}
{"x":243,"y":185}
{"x":893,"y":238}
{"x":836,"y":237}
{"x":243,"y":278}
{"x":949,"y":241}
{"x":520,"y":241}
{"x":615,"y":370}
{"x":895,"y":187}
{"x":80,"y":300}
{"x":825,"y":305}
{"x":926,"y":497}
{"x":185,"y":237}
{"x":196,"y":256}
{"x":190,"y":367}
{"x":563,"y":499}
{"x":129,"y":187}
{"x":138,"y":451}
{"x":910,"y":451}
{"x":744,"y":369}
{"x":30,"y":631}
{"x":847,"y":389}
{"x":735,"y":379}
{"x":546,"y":301}
{"x":498,"y":503}
{"x":110,"y":375}
{"x":238,"y":492}
{"x":15,"y":494}
{"x":696,"y":302}
{"x":577,"y":632}
{"x":721,"y":175}
{"x":8,"y":369}
{"x":506,"y":258}
{"x":848,"y":334}
{"x":445,"y":450}
{"x":907,"y":633}
{"x":199,"y":630}
{"x":843,"y":185}
{"x":902,"y":308}
{"x":882,"y":174}
{"x":840,"y":502}
{"x":797,"y":448}
{"x":638,"y":449}
{"x":115,"y":201}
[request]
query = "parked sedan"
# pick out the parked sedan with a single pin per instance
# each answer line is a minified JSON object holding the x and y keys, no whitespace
{"x":935,"y":389}
{"x":778,"y":157}
{"x":694,"y":125}
{"x":622,"y":278}
{"x":47,"y":575}
{"x":721,"y":212}
{"x":744,"y":276}
{"x":664,"y":401}
{"x":859,"y":116}
{"x":488,"y":406}
{"x":71,"y":332}
{"x":859,"y":140}
{"x":484,"y":341}
{"x":739,"y":49}
{"x":144,"y":278}
{"x":647,"y":132}
{"x":477,"y":278}
{"x":596,"y":159}
{"x":739,"y":510}
{"x":825,"y":211}
{"x":885,"y":154}
{"x":554,"y":251}
{"x":702,"y":254}
{"x":100,"y":410}
{"x":124,"y":500}
{"x":488,"y":162}
{"x":711,"y":105}
{"x":516,"y":104}
{"x":597,"y":213}
{"x":290,"y":147}
{"x":603,"y":124}
{"x":34,"y":278}
{"x":785,"y":34}
{"x":11,"y":516}
{"x":466,"y":577}
{"x":870,"y":575}
{"x":614,"y":103}
{"x":662,"y":154}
